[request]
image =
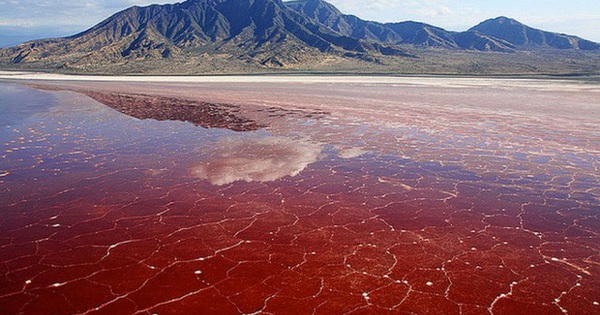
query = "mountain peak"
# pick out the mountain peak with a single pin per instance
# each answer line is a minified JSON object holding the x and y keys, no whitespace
{"x":521,"y":35}
{"x":265,"y":34}
{"x":503,"y":20}
{"x":316,"y":9}
{"x":259,"y":32}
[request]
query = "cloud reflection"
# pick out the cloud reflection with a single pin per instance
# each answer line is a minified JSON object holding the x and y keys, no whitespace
{"x":253,"y":159}
{"x":350,"y":153}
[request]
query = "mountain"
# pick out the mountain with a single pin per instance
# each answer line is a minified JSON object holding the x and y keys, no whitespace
{"x":422,"y":34}
{"x":199,"y":36}
{"x":259,"y":31}
{"x":528,"y":38}
{"x":410,"y":32}
{"x":348,"y":25}
{"x":500,"y":34}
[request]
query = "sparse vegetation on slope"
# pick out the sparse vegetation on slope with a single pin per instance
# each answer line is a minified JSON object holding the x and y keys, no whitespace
{"x":237,"y":36}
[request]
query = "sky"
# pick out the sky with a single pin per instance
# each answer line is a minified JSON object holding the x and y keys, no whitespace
{"x":22,"y":20}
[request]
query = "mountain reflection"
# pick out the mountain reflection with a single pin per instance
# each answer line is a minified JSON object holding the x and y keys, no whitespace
{"x":204,"y":114}
{"x":257,"y":159}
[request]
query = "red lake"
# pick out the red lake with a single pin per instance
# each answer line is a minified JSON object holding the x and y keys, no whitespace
{"x":301,"y":195}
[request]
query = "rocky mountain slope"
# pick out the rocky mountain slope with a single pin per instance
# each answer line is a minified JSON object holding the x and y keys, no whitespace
{"x":499,"y":34}
{"x":527,"y":38}
{"x":409,"y":32}
{"x":265,"y":31}
{"x":250,"y":35}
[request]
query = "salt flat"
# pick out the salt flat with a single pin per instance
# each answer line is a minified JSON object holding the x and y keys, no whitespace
{"x":311,"y":79}
{"x":299,"y":194}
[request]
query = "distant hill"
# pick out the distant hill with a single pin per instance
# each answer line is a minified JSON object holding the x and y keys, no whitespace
{"x":254,"y":35}
{"x":527,"y":38}
{"x":499,"y":34}
{"x":409,"y":32}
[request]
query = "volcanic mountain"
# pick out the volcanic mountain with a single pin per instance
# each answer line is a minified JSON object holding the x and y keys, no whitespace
{"x":249,"y":35}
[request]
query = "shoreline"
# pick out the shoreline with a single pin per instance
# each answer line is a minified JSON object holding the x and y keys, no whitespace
{"x":307,"y":78}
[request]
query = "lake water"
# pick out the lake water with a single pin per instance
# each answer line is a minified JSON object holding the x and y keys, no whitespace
{"x":288,"y":198}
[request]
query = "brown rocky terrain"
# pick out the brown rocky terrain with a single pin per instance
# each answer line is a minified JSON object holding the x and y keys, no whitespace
{"x":236,"y":36}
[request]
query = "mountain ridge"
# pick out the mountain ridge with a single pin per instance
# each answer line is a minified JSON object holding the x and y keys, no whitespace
{"x":486,"y":36}
{"x":521,"y":35}
{"x":268,"y":34}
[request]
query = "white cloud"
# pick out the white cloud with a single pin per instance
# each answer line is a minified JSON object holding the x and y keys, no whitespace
{"x":428,"y":8}
{"x":392,"y":10}
{"x":17,"y":22}
{"x":451,"y":14}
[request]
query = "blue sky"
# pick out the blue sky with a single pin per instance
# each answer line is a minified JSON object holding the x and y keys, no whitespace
{"x":28,"y":19}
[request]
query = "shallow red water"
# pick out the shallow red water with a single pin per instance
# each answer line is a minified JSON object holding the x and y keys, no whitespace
{"x":393,"y":199}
